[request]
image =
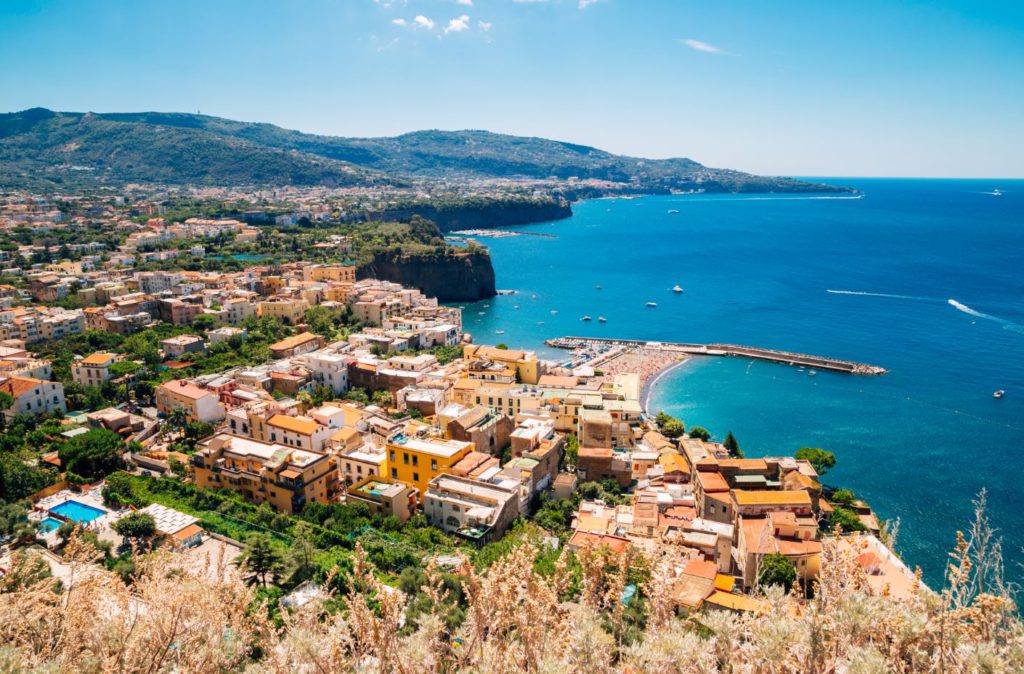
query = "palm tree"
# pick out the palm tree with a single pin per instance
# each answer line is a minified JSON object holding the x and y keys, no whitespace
{"x":259,"y":560}
{"x":177,"y":419}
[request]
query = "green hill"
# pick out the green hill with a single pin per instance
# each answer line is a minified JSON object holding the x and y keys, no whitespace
{"x":43,"y":145}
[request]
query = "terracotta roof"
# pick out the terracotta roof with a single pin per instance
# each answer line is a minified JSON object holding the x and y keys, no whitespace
{"x":294,"y":341}
{"x":711,"y":482}
{"x":764,"y":497}
{"x":701,"y":569}
{"x":99,"y":358}
{"x":735,"y":602}
{"x":19,"y":386}
{"x":585,"y":539}
{"x":293,"y":424}
{"x":188,"y":532}
{"x":185,"y":388}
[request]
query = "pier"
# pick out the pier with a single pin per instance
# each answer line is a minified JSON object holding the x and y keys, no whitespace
{"x":737,"y":350}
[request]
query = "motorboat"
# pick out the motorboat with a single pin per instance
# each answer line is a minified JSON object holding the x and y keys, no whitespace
{"x":677,"y":289}
{"x":602,"y":319}
{"x":999,"y":394}
{"x":585,"y":318}
{"x":652,"y":304}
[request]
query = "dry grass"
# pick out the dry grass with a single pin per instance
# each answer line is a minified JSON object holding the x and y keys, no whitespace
{"x":517,"y":620}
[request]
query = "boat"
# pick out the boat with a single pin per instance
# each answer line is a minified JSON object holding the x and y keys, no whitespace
{"x":554,"y":311}
{"x":652,"y":304}
{"x":811,"y":372}
{"x":999,"y":394}
{"x":996,"y":193}
{"x":516,"y":306}
{"x":540,"y":322}
{"x":677,"y":289}
{"x":672,"y":211}
{"x":499,"y":332}
{"x":585,"y":318}
{"x":602,"y":319}
{"x":597,"y":287}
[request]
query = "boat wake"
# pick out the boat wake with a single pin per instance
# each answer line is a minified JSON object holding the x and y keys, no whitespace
{"x":887,"y":295}
{"x":1007,"y":325}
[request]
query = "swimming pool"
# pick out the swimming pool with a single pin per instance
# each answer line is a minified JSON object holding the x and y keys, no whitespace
{"x":48,"y":524}
{"x":77,"y":512}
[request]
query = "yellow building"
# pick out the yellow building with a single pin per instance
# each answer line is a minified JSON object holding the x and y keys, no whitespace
{"x":285,"y":477}
{"x":525,"y":362}
{"x":334,"y":272}
{"x":416,"y":461}
{"x":291,"y":311}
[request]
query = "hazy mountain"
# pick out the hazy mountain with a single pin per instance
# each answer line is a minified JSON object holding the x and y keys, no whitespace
{"x":38,"y":145}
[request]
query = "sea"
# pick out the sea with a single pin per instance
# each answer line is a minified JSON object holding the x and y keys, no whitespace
{"x":922,"y":277}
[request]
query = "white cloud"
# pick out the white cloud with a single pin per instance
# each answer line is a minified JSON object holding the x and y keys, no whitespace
{"x":458,"y":25}
{"x":400,"y":22}
{"x":423,"y":22}
{"x":587,"y":3}
{"x":703,"y":46}
{"x":484,"y":25}
{"x":467,"y":3}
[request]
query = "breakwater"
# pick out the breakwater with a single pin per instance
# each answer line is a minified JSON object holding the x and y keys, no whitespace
{"x":737,"y":350}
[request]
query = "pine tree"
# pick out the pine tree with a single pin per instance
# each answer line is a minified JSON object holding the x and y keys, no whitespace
{"x":733,"y":446}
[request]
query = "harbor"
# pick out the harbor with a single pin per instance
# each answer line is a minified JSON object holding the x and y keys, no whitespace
{"x":594,"y":350}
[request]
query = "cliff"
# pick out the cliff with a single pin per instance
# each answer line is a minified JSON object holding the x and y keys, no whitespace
{"x":449,"y":275}
{"x":477,"y":213}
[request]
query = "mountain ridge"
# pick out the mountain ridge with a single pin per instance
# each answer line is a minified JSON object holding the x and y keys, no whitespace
{"x":184,"y":148}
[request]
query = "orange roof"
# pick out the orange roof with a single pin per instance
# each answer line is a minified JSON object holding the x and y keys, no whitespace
{"x":185,"y":388}
{"x":290,"y":473}
{"x":585,"y":539}
{"x":711,"y":482}
{"x":188,"y":532}
{"x":294,"y":341}
{"x":466,"y":384}
{"x":99,"y":358}
{"x":672,"y":461}
{"x":19,"y":386}
{"x":735,"y":602}
{"x":765,"y":497}
{"x":724,"y":582}
{"x":302,"y":426}
{"x":744,"y":464}
{"x":702,"y":569}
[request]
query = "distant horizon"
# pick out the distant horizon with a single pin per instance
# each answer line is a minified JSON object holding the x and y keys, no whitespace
{"x":798,"y":176}
{"x":803,"y":88}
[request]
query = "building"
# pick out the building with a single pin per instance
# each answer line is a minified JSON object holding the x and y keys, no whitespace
{"x":416,"y":461}
{"x":93,"y":370}
{"x":328,"y":369}
{"x":778,"y":533}
{"x":525,"y":364}
{"x":296,"y":345}
{"x":488,"y":431}
{"x":299,"y":432}
{"x":284,"y":477}
{"x":384,"y":497}
{"x":474,"y":510}
{"x":33,"y":396}
{"x":290,"y":311}
{"x":199,"y":404}
{"x":182,"y":345}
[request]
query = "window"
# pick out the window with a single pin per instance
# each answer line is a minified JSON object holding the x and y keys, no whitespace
{"x":433,"y":465}
{"x":394,"y":473}
{"x":391,"y":456}
{"x":415,"y":460}
{"x":415,"y":477}
{"x":405,"y":458}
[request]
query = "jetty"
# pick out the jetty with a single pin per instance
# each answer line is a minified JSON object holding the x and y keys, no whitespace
{"x":736,"y":350}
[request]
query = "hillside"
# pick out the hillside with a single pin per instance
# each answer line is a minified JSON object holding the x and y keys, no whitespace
{"x":39,"y":147}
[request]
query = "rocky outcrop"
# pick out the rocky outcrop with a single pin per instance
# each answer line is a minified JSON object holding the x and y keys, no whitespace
{"x":478,"y":213}
{"x":448,"y":274}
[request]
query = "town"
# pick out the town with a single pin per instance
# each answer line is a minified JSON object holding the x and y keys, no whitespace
{"x":297,"y":389}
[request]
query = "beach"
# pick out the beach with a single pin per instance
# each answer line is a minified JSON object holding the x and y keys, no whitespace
{"x":650,"y":364}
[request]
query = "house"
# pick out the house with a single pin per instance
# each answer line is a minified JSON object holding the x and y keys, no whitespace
{"x":284,"y":477}
{"x":416,"y":461}
{"x":384,"y":497}
{"x":296,"y":345}
{"x":471,"y":509}
{"x":488,"y":431}
{"x":199,"y":404}
{"x":180,"y":529}
{"x":180,"y":345}
{"x":777,"y":533}
{"x":33,"y":396}
{"x":290,"y":311}
{"x":93,"y":370}
{"x":527,"y":368}
{"x":298,"y":431}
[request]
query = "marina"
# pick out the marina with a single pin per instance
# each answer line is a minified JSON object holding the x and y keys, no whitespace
{"x":601,"y":345}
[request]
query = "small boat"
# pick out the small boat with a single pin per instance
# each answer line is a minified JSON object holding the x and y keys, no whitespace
{"x":672,"y":211}
{"x":597,"y":287}
{"x":533,"y":297}
{"x":677,"y":289}
{"x":585,"y":318}
{"x":540,"y":322}
{"x":482,"y":313}
{"x":811,"y":373}
{"x":999,"y":394}
{"x":996,"y":193}
{"x":554,"y":311}
{"x":602,"y":319}
{"x":499,"y":332}
{"x":652,"y":304}
{"x":516,"y":306}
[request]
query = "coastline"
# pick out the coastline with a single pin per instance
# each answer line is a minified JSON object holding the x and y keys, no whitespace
{"x":648,"y":386}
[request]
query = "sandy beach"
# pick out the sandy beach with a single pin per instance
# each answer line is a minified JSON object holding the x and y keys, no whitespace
{"x":650,"y":364}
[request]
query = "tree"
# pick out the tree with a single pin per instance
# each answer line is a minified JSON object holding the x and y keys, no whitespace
{"x":674,"y":428}
{"x":303,"y":552}
{"x":843,"y":496}
{"x":93,"y":454}
{"x":137,"y":527}
{"x":572,"y":449}
{"x":260,"y":560}
{"x":733,"y":446}
{"x":700,"y":432}
{"x":820,"y":459}
{"x":846,"y":519}
{"x":776,"y":569}
{"x":204,"y":322}
{"x":382,"y":398}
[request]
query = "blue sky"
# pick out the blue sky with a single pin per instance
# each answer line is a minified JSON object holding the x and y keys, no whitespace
{"x":793,"y":88}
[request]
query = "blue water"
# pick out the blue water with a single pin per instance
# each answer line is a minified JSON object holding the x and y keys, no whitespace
{"x":917,"y":443}
{"x":48,"y":524}
{"x":77,"y":512}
